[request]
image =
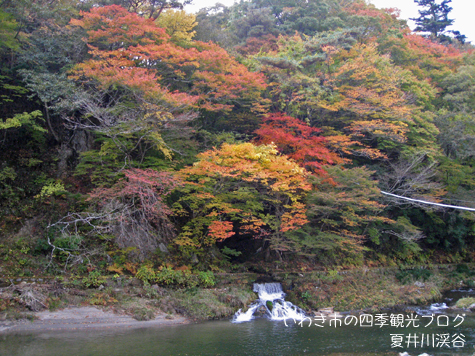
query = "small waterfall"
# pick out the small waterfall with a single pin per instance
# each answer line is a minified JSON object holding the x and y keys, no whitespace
{"x":270,"y":293}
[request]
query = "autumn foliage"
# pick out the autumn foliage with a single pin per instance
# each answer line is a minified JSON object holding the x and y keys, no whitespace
{"x":136,"y":210}
{"x":256,"y":132}
{"x":242,"y":189}
{"x":298,"y":141}
{"x":134,"y":52}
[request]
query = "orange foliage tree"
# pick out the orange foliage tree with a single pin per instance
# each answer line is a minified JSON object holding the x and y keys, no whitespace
{"x":371,"y":22}
{"x":134,"y":52}
{"x":423,"y":57}
{"x":241,"y":190}
{"x":370,"y":90}
{"x":358,"y":97}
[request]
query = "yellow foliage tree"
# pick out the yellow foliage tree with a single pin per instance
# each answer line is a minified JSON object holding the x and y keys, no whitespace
{"x":178,"y":24}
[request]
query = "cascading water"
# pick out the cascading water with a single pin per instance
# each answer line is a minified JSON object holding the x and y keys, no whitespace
{"x":436,"y":308}
{"x":280,"y":310}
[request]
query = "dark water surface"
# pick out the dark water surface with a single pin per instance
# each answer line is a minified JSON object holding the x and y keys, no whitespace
{"x":257,"y":337}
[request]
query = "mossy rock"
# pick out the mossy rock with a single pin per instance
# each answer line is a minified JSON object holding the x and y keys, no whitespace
{"x":142,"y":314}
{"x":466,"y":303}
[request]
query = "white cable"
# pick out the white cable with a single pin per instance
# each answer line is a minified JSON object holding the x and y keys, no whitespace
{"x":428,"y":202}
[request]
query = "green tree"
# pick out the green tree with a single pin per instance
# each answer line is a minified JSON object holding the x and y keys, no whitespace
{"x":344,"y":216}
{"x":434,"y":19}
{"x":8,"y":31}
{"x":146,"y":8}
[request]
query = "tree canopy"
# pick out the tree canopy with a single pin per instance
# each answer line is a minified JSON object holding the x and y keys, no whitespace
{"x":258,"y":133}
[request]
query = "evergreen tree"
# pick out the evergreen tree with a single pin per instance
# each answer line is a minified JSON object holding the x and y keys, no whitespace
{"x":434,"y":18}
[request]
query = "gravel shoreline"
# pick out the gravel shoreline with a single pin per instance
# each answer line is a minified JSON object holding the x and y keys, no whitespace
{"x":82,"y":318}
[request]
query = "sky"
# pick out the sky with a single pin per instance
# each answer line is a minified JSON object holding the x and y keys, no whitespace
{"x":463,"y":12}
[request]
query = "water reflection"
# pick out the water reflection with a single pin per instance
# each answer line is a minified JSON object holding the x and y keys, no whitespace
{"x":259,"y":337}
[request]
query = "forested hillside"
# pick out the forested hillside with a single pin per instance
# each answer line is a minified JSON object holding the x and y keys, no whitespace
{"x":138,"y":138}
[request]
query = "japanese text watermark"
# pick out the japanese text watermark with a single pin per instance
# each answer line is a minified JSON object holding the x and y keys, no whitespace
{"x":445,"y":339}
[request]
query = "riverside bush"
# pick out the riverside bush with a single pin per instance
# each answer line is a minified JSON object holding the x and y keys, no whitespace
{"x":406,"y":276}
{"x":94,"y":279}
{"x":170,"y":277}
{"x":146,"y":274}
{"x":206,"y":279}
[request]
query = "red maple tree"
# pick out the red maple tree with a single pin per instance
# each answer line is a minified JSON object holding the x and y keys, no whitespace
{"x":298,"y":141}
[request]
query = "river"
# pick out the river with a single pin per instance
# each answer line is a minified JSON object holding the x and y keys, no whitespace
{"x":434,"y":331}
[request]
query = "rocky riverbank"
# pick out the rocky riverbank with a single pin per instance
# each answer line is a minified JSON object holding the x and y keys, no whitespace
{"x":128,"y":302}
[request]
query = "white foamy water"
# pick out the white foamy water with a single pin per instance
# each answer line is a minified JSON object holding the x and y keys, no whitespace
{"x":435,"y":308}
{"x":239,"y":317}
{"x":438,"y":306}
{"x":281,"y":309}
